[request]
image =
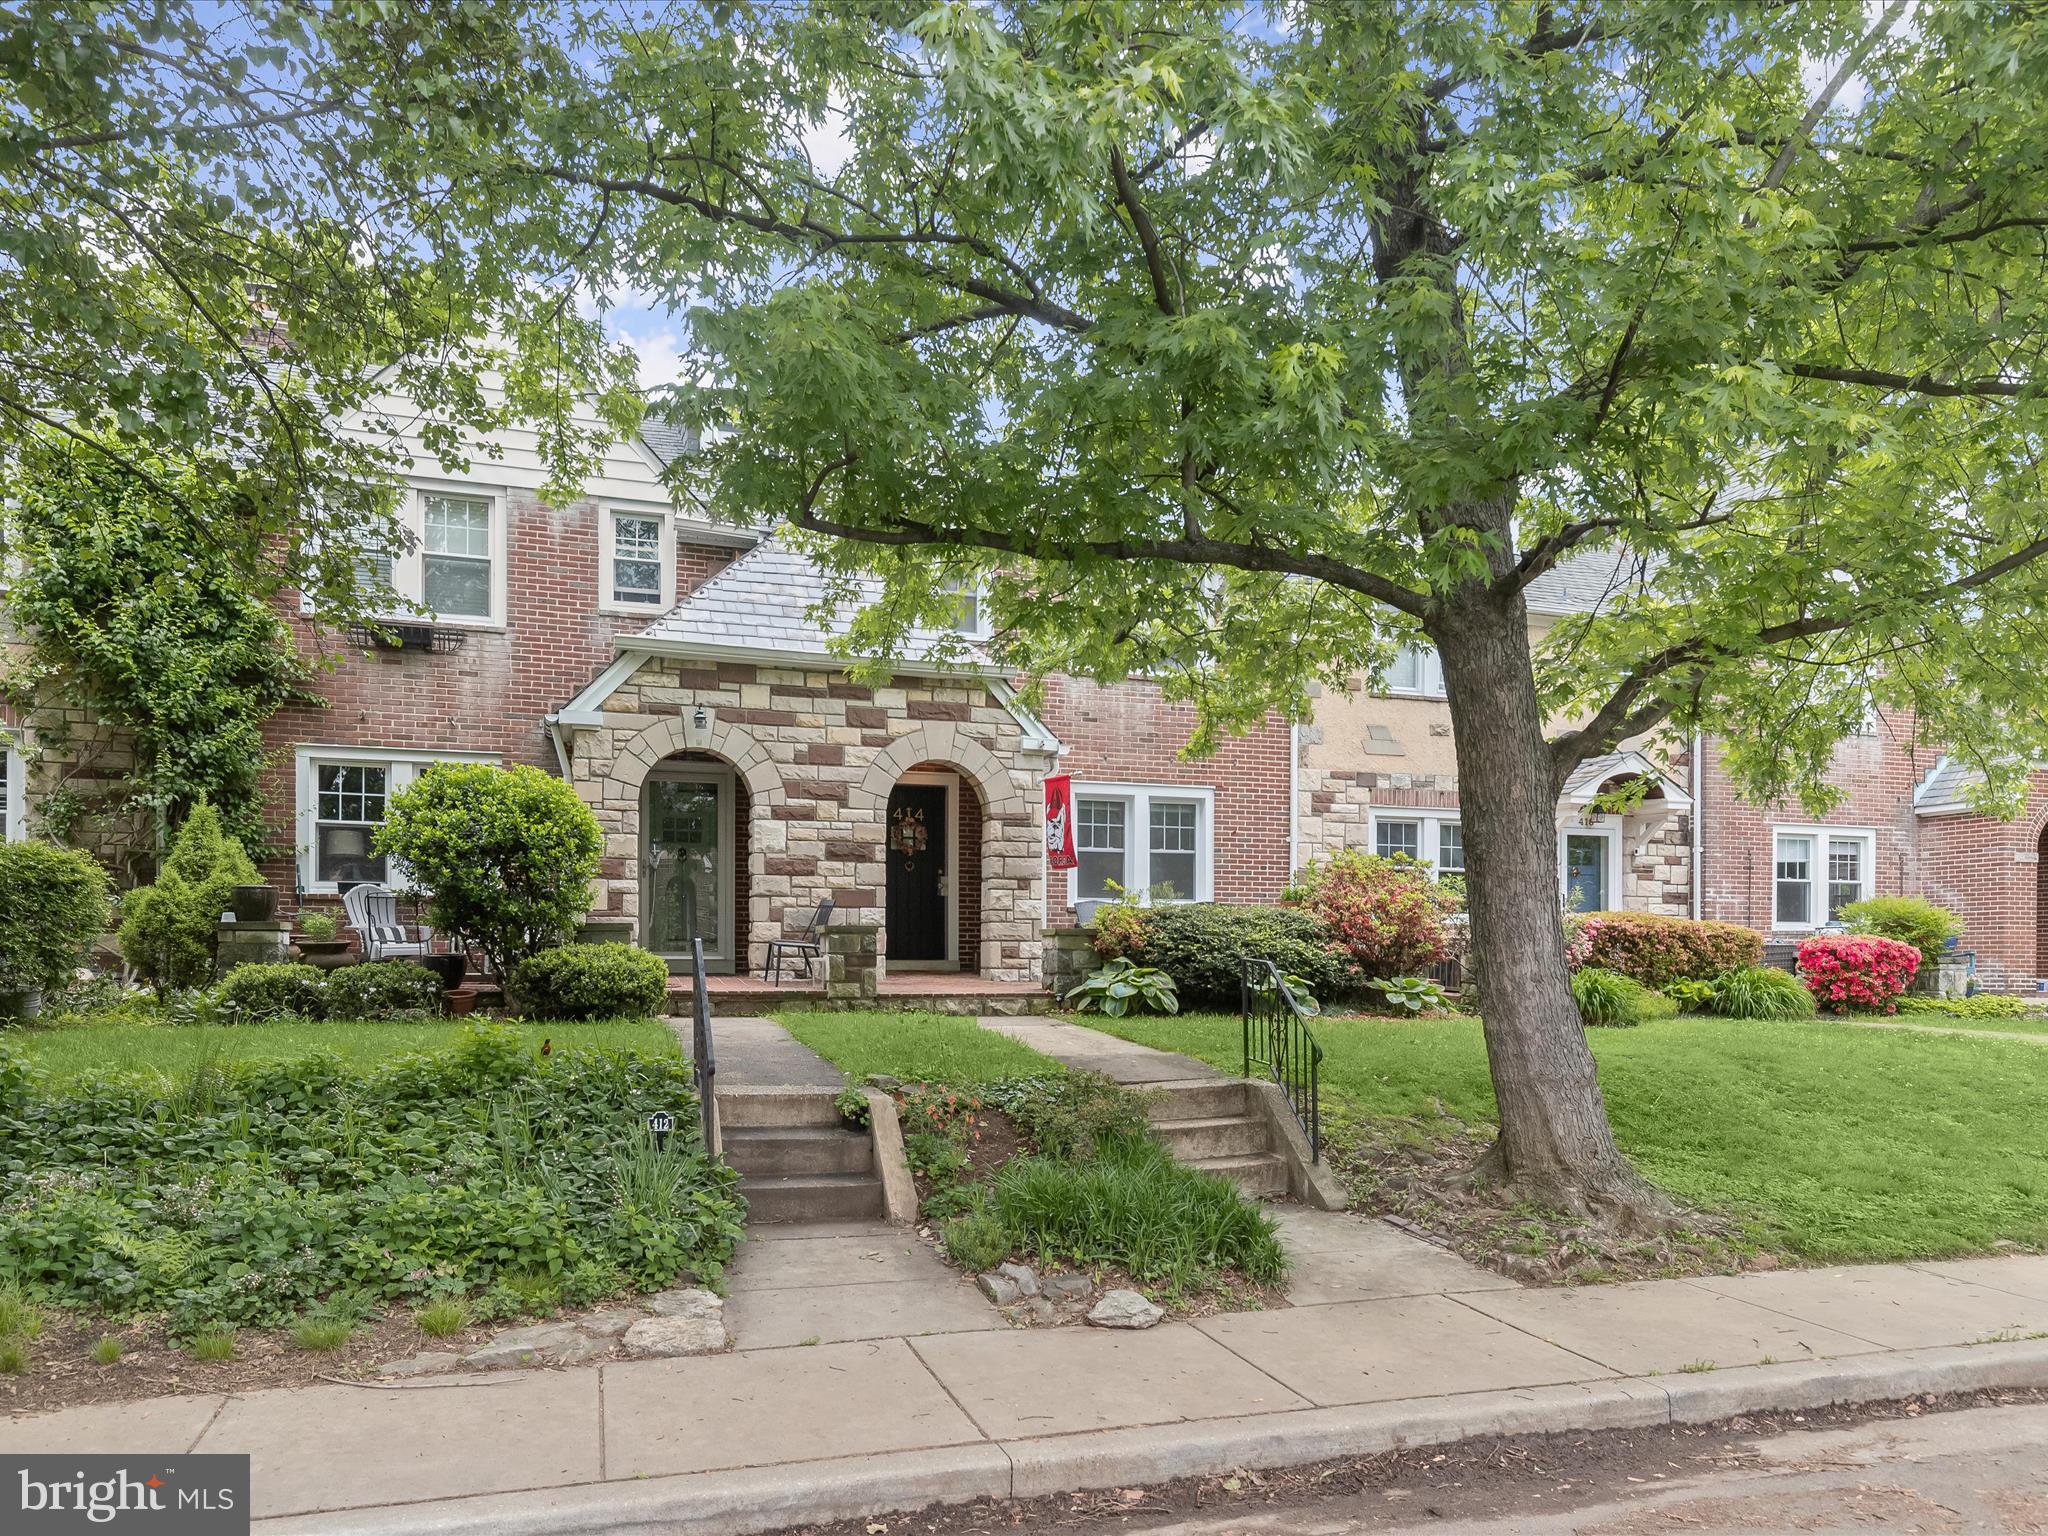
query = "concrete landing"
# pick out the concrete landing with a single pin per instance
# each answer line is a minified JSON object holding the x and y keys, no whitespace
{"x":1121,"y":1061}
{"x":760,"y":1053}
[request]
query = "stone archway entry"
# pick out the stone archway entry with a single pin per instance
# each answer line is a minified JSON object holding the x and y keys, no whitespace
{"x":920,"y":860}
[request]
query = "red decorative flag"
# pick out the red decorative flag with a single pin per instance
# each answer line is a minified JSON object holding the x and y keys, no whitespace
{"x":1059,"y":822}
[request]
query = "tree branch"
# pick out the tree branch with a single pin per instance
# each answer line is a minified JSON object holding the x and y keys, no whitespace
{"x":1918,"y":384}
{"x":1775,"y":176}
{"x":1147,"y":232}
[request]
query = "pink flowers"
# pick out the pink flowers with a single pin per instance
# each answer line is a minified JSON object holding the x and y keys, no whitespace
{"x":1851,"y":972}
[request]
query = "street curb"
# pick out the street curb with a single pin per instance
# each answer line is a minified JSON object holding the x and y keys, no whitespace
{"x":752,"y":1500}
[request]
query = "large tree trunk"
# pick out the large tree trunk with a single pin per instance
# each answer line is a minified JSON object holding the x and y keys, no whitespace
{"x":1555,"y":1146}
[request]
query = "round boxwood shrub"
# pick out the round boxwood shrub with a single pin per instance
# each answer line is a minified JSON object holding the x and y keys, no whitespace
{"x":591,"y":981}
{"x":1203,"y":947}
{"x":384,"y":990}
{"x":253,"y":993}
{"x":1656,"y":950}
{"x":1760,"y":992}
{"x":1909,"y":920}
{"x":508,"y":853}
{"x":1610,"y":1000}
{"x":53,"y":904}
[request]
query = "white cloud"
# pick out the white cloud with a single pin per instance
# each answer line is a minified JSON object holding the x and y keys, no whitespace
{"x":657,"y":342}
{"x":826,"y":140}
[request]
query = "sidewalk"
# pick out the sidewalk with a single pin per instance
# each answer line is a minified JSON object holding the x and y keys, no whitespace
{"x":1390,"y":1342}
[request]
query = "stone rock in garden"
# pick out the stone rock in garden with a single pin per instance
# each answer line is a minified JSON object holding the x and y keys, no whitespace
{"x":1528,"y":1270}
{"x":1036,"y":1309}
{"x":676,"y":1336}
{"x":686,"y":1301}
{"x":1023,"y":1276}
{"x":999,"y":1288}
{"x":610,"y":1323}
{"x":882,"y":1082}
{"x":1068,"y":1287}
{"x":1759,"y":1262}
{"x":1124,"y":1309}
{"x":540,"y":1344}
{"x":428,"y":1364}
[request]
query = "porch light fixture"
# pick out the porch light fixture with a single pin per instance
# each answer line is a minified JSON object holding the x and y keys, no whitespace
{"x":700,"y":719}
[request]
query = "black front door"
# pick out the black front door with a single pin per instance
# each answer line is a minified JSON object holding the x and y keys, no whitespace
{"x":916,"y":855}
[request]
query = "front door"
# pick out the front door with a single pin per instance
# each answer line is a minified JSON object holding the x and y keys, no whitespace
{"x":916,"y":852}
{"x":1585,"y":872}
{"x":686,"y":880}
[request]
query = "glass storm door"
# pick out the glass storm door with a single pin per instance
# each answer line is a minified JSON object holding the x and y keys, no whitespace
{"x":686,"y":881}
{"x":1585,"y":872}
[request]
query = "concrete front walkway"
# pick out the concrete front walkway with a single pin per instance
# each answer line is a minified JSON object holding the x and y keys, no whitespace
{"x":1122,"y":1061}
{"x":785,"y":1429}
{"x":760,"y":1053}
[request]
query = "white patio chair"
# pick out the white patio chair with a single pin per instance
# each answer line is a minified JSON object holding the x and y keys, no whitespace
{"x":373,"y":913}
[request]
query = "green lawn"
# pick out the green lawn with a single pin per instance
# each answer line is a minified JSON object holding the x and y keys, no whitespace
{"x":1830,"y":1140}
{"x":2028,"y":1024}
{"x":917,"y":1047}
{"x":72,"y":1051}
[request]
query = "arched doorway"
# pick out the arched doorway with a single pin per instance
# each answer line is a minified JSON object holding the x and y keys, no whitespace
{"x":694,"y":815}
{"x":931,"y":856}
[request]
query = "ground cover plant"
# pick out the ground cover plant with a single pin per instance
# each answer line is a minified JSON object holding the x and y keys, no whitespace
{"x":86,"y":1047}
{"x":253,"y":1193}
{"x":1820,"y":1139}
{"x":916,"y":1047}
{"x":1610,"y":1000}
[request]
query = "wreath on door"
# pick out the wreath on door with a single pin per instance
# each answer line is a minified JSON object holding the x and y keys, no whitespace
{"x":908,"y":834}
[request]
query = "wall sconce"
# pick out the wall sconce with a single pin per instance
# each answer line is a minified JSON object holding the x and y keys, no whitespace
{"x":697,"y":727}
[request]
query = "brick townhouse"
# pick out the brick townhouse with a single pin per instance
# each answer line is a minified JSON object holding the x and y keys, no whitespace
{"x":670,"y":667}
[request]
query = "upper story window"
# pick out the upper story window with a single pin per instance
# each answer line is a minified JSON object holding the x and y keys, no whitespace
{"x":970,"y":604}
{"x":456,"y":566}
{"x":637,"y":568}
{"x":1418,"y":670}
{"x":1817,"y":871}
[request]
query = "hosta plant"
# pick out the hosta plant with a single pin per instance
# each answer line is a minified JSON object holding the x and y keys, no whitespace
{"x":1119,"y":987}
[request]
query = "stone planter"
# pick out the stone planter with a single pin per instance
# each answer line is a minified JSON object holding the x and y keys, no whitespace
{"x":20,"y":1007}
{"x":327,"y":954}
{"x":254,"y":903}
{"x":450,"y":968}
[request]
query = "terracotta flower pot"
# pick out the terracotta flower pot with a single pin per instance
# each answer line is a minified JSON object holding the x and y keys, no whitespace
{"x":460,"y":1002}
{"x":327,"y":954}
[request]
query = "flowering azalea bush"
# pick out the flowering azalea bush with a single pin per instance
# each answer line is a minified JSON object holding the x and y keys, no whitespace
{"x":1848,"y":973}
{"x":1388,"y":915}
{"x":1656,"y":950}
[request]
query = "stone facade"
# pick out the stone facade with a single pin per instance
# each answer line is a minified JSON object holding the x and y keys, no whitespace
{"x":816,"y":756}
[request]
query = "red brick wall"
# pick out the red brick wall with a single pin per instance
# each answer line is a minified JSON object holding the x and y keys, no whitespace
{"x":1126,"y":734}
{"x":1989,"y":872}
{"x":1878,"y":772}
{"x":490,"y":694}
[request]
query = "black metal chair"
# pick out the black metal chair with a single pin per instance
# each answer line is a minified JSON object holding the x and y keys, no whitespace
{"x":808,"y":945}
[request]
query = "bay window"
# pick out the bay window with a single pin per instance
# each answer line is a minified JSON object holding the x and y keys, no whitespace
{"x":1150,"y":841}
{"x":1817,"y":871}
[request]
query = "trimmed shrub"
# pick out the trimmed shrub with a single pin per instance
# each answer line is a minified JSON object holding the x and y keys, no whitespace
{"x":1654,"y":950}
{"x":1610,"y":1000}
{"x":170,"y":930}
{"x":1387,"y":915}
{"x":1759,"y":992}
{"x":508,"y":853}
{"x":253,"y":993}
{"x":53,"y":904}
{"x":1203,"y":946}
{"x":1979,"y":1005}
{"x":1908,"y":919}
{"x":1857,"y":973}
{"x":591,"y":981}
{"x":382,"y":991}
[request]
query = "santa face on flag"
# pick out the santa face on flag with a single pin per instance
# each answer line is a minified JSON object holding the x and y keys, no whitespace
{"x":1059,"y":822}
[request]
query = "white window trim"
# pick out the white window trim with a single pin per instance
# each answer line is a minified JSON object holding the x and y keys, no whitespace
{"x":976,"y":587}
{"x":408,"y":566}
{"x":403,"y":767}
{"x":1608,"y":830}
{"x":14,"y":828}
{"x":1138,"y":800}
{"x":1817,"y":882}
{"x":1429,"y":836}
{"x":607,"y":540}
{"x":1429,"y":672}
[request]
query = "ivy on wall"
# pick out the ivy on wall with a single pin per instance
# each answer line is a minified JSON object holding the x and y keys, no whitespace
{"x":135,"y":604}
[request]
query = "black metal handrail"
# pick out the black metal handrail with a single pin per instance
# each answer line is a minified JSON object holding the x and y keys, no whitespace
{"x":1278,"y":1042}
{"x":702,"y":1059}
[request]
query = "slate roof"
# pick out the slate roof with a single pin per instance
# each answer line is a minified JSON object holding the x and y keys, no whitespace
{"x":668,"y":440}
{"x":762,"y":602}
{"x":1587,"y":778}
{"x":1946,"y":787}
{"x":1588,"y":580}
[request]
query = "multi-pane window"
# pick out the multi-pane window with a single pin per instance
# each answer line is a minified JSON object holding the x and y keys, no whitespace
{"x":455,"y":566}
{"x":1099,"y":827}
{"x":1175,"y":828}
{"x":1450,"y":848}
{"x":1397,"y":838}
{"x":636,"y":559}
{"x":967,"y":604}
{"x":1817,"y":873}
{"x":351,"y":799}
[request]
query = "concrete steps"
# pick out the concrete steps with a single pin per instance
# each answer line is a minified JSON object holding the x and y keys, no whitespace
{"x":796,"y":1159}
{"x":1214,"y":1125}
